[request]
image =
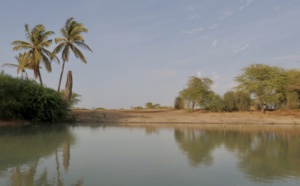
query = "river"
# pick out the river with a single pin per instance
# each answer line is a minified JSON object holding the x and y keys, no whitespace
{"x":149,"y":156}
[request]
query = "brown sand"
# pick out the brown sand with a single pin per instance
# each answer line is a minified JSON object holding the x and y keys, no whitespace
{"x":184,"y":117}
{"x":177,"y":117}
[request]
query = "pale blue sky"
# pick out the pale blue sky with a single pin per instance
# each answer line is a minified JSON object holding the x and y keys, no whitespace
{"x":145,"y":50}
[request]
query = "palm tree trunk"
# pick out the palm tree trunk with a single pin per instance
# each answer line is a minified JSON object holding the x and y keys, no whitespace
{"x":22,"y":74}
{"x":61,"y":75}
{"x":68,"y":87}
{"x":40,"y":77}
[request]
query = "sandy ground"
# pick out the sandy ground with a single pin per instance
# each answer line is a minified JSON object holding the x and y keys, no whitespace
{"x":184,"y":117}
{"x":176,"y":117}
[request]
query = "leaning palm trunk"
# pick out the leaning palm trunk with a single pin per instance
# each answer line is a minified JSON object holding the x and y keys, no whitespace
{"x":68,"y":87}
{"x":61,"y":75}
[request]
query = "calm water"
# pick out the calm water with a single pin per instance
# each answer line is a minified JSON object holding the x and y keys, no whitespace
{"x":148,"y":156}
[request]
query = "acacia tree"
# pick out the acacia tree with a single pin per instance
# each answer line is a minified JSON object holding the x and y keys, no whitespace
{"x":197,"y":92}
{"x":36,"y":48}
{"x":293,"y":90}
{"x":267,"y":84}
{"x":71,"y":39}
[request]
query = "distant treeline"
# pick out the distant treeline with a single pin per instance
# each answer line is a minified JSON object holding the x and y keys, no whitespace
{"x":260,"y":87}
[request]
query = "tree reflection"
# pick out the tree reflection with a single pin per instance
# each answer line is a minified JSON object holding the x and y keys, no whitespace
{"x":262,"y":154}
{"x":23,"y":147}
{"x":271,"y":156}
{"x":197,"y":144}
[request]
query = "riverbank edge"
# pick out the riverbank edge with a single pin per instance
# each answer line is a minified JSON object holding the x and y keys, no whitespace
{"x":169,"y":117}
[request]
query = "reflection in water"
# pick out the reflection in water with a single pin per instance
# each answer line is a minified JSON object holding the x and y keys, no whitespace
{"x":263,"y":155}
{"x":41,"y":155}
{"x":198,"y":144}
{"x":23,"y":147}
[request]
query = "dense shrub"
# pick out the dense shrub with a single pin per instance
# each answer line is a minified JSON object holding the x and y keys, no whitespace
{"x":178,"y":103}
{"x":25,"y":99}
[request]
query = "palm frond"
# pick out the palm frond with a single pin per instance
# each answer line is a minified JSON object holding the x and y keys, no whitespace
{"x":46,"y":62}
{"x":58,"y":48}
{"x":65,"y":53}
{"x":77,"y":37}
{"x":83,"y":45}
{"x":59,"y":40}
{"x":27,"y":32}
{"x":9,"y":65}
{"x":78,"y":53}
{"x":46,"y":35}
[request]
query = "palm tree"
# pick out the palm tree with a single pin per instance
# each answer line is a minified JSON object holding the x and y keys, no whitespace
{"x":36,"y":47}
{"x":23,"y":63}
{"x":71,"y":39}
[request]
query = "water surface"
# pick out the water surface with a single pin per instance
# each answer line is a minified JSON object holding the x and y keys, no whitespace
{"x":148,"y":156}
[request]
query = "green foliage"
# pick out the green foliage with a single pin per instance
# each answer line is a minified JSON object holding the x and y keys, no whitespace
{"x":214,"y":103}
{"x":265,"y":83}
{"x":229,"y":101}
{"x":197,"y":92}
{"x":27,"y":100}
{"x":236,"y":101}
{"x":137,"y":108}
{"x":293,"y":89}
{"x":178,"y":103}
{"x":149,"y":105}
{"x":72,"y":38}
{"x":38,"y":41}
{"x":242,"y":101}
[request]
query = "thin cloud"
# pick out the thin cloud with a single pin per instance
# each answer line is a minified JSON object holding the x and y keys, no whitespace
{"x":286,"y":59}
{"x":183,"y":61}
{"x":190,"y":8}
{"x":214,"y":26}
{"x":277,"y":8}
{"x":214,"y":43}
{"x":192,"y":31}
{"x":195,"y":16}
{"x":241,"y":48}
{"x":226,"y":14}
{"x":248,"y":2}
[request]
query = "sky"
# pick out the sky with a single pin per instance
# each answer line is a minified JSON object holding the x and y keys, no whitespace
{"x":146,"y":50}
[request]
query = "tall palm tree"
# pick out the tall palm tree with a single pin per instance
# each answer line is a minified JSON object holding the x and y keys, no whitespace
{"x":24,"y":62}
{"x":71,"y":39}
{"x":36,"y":47}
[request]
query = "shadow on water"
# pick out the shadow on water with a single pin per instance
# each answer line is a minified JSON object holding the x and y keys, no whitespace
{"x":263,"y":155}
{"x":23,"y":147}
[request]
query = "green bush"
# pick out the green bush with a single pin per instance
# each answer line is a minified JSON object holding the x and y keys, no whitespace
{"x":25,"y":99}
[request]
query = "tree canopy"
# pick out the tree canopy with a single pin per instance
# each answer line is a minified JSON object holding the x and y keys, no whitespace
{"x":197,"y":92}
{"x":38,"y":41}
{"x":267,"y":84}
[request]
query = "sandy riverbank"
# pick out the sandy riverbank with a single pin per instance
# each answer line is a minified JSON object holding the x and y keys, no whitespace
{"x":184,"y":117}
{"x":172,"y":117}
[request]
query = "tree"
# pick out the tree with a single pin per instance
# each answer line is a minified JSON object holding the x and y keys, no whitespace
{"x":214,"y":103}
{"x":178,"y":103}
{"x":229,"y":101}
{"x":36,"y":48}
{"x":71,"y":39}
{"x":236,"y":101}
{"x":242,"y":101}
{"x":149,"y":105}
{"x":265,"y":83}
{"x":197,"y":92}
{"x":23,"y":63}
{"x":293,"y":89}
